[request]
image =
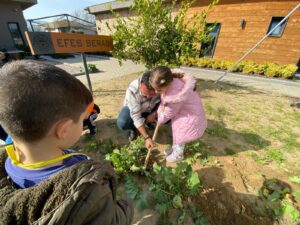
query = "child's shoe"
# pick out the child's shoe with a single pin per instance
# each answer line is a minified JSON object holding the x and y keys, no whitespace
{"x":93,"y":131}
{"x":174,"y":157}
{"x":177,"y":154}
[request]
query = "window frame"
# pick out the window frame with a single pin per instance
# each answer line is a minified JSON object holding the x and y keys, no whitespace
{"x":18,"y":26}
{"x":283,"y":26}
{"x":216,"y":39}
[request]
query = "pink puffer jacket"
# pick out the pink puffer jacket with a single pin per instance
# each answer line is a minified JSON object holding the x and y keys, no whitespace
{"x":184,"y":108}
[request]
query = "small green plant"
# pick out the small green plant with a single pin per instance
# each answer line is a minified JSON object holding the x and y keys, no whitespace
{"x":130,"y":158}
{"x":278,"y":201}
{"x":91,"y":68}
{"x":171,"y":187}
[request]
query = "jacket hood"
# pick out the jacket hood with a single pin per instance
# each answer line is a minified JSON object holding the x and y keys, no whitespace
{"x":189,"y":86}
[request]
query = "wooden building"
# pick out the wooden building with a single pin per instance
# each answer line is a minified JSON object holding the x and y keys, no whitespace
{"x":240,"y":24}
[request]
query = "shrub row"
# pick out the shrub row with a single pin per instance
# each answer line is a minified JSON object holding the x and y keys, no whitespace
{"x":246,"y":67}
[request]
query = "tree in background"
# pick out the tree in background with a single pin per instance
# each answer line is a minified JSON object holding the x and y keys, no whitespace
{"x":82,"y":14}
{"x":159,"y":33}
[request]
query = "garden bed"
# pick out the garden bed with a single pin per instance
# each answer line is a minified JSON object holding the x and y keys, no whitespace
{"x":248,"y":160}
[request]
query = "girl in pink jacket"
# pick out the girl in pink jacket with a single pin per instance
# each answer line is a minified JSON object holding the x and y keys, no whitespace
{"x":181,"y":104}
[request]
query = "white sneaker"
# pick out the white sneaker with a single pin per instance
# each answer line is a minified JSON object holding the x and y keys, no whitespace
{"x":174,"y":158}
{"x":177,"y":154}
{"x":168,"y":151}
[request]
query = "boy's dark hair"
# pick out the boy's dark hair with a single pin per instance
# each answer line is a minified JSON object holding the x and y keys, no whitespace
{"x":35,"y":95}
{"x":145,"y":80}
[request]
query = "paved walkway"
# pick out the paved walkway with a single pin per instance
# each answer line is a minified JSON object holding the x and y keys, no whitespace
{"x":109,"y":68}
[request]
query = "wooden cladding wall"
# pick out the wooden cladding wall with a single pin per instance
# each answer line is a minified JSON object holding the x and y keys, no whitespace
{"x":233,"y":41}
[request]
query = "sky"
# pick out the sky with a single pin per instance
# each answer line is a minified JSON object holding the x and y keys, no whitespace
{"x":55,"y":7}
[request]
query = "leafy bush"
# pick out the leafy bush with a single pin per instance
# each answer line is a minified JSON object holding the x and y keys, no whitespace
{"x":203,"y":62}
{"x":239,"y":67}
{"x":225,"y":65}
{"x":155,"y":36}
{"x":259,"y":69}
{"x":216,"y":64}
{"x":288,"y":71}
{"x":246,"y":67}
{"x":272,"y":70}
{"x":249,"y":68}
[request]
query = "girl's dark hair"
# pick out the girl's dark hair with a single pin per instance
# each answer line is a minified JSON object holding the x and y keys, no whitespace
{"x":35,"y":95}
{"x":161,"y":76}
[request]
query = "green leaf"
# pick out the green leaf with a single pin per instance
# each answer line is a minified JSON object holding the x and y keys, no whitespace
{"x":194,"y":181}
{"x":134,"y":168}
{"x":297,"y":194}
{"x":291,"y":211}
{"x":181,"y":217}
{"x":295,"y":179}
{"x":162,"y":208}
{"x":141,"y":201}
{"x":156,"y":168}
{"x":177,"y":202}
{"x":131,"y":187}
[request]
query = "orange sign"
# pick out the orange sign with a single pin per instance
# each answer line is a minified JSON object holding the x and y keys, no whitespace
{"x":51,"y":42}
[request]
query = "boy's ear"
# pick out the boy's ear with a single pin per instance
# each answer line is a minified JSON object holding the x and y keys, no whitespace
{"x":62,"y":128}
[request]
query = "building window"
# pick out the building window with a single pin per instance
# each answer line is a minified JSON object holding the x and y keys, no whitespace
{"x":16,"y":34}
{"x":208,"y":46}
{"x":279,"y":30}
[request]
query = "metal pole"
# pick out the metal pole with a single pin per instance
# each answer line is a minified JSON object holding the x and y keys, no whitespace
{"x":68,"y":23}
{"x":30,"y":22}
{"x":87,"y":72}
{"x":258,"y":43}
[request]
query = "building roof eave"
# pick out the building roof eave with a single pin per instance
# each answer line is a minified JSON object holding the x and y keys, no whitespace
{"x":24,"y":3}
{"x":107,"y":7}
